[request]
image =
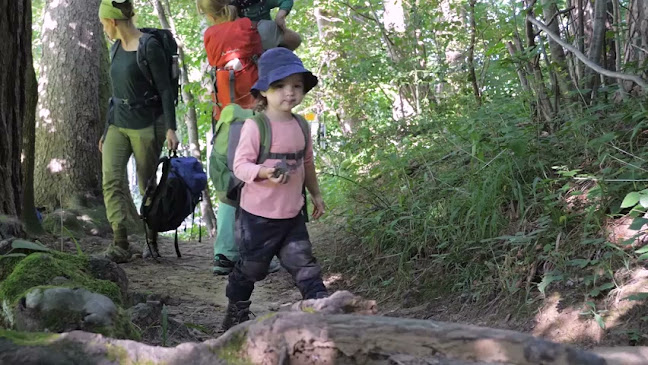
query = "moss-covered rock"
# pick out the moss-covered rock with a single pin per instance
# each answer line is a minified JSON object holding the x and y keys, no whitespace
{"x":38,"y":272}
{"x":39,"y":269}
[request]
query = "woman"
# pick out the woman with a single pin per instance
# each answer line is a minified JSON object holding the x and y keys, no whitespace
{"x":141,"y":114}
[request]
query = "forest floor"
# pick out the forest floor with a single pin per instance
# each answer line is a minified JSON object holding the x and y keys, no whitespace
{"x":195,"y":299}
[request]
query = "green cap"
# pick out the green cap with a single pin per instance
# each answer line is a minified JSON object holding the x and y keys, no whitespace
{"x":108,"y":11}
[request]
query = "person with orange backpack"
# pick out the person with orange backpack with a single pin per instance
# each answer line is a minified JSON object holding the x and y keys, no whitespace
{"x":233,"y":46}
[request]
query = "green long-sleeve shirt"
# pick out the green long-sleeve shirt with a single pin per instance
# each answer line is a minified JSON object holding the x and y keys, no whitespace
{"x":261,"y":10}
{"x":129,"y":83}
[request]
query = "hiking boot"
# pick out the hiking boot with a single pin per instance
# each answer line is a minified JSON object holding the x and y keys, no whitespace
{"x":117,"y":254}
{"x":222,"y":265}
{"x":238,"y":312}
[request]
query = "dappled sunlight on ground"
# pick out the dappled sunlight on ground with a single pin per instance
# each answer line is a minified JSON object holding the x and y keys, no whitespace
{"x":332,"y":279}
{"x":565,"y":324}
{"x":576,"y":323}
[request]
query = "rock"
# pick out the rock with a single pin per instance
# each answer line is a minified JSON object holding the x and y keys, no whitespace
{"x":147,"y":314}
{"x":11,"y":227}
{"x":64,"y":309}
{"x":104,"y":269}
{"x":5,"y":246}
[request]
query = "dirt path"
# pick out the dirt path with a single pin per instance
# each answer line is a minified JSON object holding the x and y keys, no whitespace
{"x":193,"y":295}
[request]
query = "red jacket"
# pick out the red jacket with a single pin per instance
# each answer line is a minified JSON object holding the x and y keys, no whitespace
{"x":225,"y":42}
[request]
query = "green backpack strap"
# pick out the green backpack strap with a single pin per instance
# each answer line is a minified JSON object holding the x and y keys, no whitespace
{"x":265,"y":136}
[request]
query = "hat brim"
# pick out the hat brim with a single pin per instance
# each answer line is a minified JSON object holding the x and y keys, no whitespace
{"x":263,"y":83}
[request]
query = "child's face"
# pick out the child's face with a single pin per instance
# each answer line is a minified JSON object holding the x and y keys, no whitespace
{"x":285,"y":94}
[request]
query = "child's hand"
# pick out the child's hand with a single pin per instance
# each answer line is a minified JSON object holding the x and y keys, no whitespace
{"x":318,"y":206}
{"x":268,"y":173}
{"x":280,"y":19}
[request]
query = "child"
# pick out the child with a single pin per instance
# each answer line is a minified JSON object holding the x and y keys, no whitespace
{"x":232,"y":45}
{"x":273,"y":34}
{"x":270,"y":220}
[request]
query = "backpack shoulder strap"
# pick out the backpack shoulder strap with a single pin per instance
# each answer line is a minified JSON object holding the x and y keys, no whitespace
{"x":113,"y":49}
{"x":142,"y":57}
{"x":265,"y":134}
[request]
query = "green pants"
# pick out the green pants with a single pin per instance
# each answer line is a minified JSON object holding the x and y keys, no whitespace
{"x":225,"y":243}
{"x":118,"y":146}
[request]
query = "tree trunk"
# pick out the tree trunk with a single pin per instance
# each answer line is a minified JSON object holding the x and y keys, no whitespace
{"x":15,"y":61}
{"x":74,"y":89}
{"x":471,"y":54}
{"x":314,"y":336}
{"x":550,"y":11}
{"x":32,"y":224}
{"x":191,"y":118}
{"x":596,"y":43}
{"x":636,"y":46}
{"x":545,"y":109}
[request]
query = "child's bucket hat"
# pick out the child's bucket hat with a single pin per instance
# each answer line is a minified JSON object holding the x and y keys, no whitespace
{"x":278,"y":63}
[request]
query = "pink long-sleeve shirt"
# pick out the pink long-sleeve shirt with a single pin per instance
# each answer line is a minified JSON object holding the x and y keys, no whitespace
{"x":263,"y":197}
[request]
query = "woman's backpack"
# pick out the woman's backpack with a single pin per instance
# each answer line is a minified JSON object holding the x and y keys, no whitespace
{"x":167,"y":203}
{"x":170,"y":47}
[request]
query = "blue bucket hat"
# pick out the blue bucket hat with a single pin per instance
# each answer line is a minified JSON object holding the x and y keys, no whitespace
{"x":278,"y":63}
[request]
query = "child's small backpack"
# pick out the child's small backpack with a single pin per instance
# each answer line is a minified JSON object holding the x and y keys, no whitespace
{"x":170,"y":47}
{"x":226,"y":138}
{"x":232,"y":84}
{"x":165,"y":205}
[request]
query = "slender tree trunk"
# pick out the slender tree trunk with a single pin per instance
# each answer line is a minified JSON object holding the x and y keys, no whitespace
{"x":15,"y":61}
{"x":636,"y":46}
{"x":545,"y":108}
{"x":32,"y":224}
{"x":596,"y":43}
{"x":550,"y":11}
{"x":471,"y":54}
{"x":618,"y":42}
{"x":191,"y":118}
{"x":520,"y":69}
{"x":74,"y":89}
{"x":581,"y":40}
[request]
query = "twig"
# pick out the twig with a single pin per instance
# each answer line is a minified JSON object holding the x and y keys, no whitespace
{"x":619,"y":75}
{"x":560,"y":13}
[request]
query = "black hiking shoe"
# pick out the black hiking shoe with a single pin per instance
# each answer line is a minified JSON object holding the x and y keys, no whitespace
{"x":238,"y":312}
{"x":222,"y":265}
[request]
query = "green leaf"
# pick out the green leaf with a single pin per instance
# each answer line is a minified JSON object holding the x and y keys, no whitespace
{"x":643,"y":200}
{"x":642,"y":250}
{"x":630,"y":200}
{"x":637,"y":223}
{"x":581,"y":263}
{"x":548,"y":279}
{"x":26,"y":245}
{"x":12,"y":255}
{"x":599,"y":320}
{"x":637,"y":296}
{"x":643,"y":257}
